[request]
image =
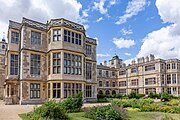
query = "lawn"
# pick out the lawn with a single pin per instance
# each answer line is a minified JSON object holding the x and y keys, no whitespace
{"x":132,"y":116}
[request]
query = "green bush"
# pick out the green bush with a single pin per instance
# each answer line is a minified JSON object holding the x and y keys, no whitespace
{"x":166,"y":96}
{"x":57,"y":111}
{"x":135,"y":95}
{"x":167,"y":109}
{"x":73,"y":104}
{"x":177,"y":109}
{"x":106,"y":113}
{"x":154,"y":95}
{"x":49,"y":110}
{"x":174,"y":102}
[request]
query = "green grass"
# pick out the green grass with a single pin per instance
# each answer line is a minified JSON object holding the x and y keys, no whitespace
{"x":132,"y":116}
{"x":77,"y":116}
{"x":24,"y":116}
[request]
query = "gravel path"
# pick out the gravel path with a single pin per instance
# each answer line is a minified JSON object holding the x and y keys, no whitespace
{"x":10,"y":112}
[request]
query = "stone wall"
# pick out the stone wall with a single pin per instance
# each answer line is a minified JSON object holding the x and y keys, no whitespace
{"x":2,"y":75}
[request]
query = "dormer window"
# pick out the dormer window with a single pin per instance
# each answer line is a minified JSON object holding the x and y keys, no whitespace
{"x":14,"y":37}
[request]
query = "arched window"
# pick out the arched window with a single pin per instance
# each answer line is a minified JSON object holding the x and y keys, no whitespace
{"x":100,"y":92}
{"x":113,"y":92}
{"x":107,"y":92}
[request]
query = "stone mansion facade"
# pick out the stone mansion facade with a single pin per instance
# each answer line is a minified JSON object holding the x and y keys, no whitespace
{"x":55,"y":60}
{"x":49,"y":61}
{"x":143,"y":76}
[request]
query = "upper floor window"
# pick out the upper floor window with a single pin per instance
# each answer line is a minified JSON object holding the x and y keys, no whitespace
{"x":100,"y":72}
{"x":149,"y":67}
{"x":107,"y":83}
{"x":168,"y":66}
{"x":150,"y":81}
{"x":78,"y":39}
{"x":113,"y":73}
{"x":113,"y":84}
{"x":72,"y":64}
{"x":88,"y":49}
{"x":122,"y":72}
{"x":134,"y":82}
{"x":14,"y":37}
{"x":3,"y":46}
{"x":122,"y":83}
{"x":35,"y":38}
{"x":173,"y":78}
{"x":88,"y":70}
{"x":35,"y":64}
{"x":56,"y":63}
{"x":100,"y":84}
{"x":173,"y":65}
{"x":14,"y":65}
{"x":57,"y":35}
{"x":72,"y":37}
{"x":134,"y":70}
{"x":107,"y":74}
{"x":168,"y":79}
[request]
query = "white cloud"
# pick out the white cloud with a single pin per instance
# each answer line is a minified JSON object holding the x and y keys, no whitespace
{"x":133,"y":8}
{"x":165,"y":42}
{"x":123,"y":43}
{"x":40,"y":10}
{"x":112,"y":2}
{"x":126,"y":31}
{"x":127,"y":54}
{"x":103,"y":55}
{"x":99,"y":6}
{"x":99,"y":19}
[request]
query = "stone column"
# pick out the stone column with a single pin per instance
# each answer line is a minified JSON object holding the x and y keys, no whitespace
{"x":6,"y":91}
{"x":83,"y":90}
{"x":62,"y":89}
{"x":9,"y":90}
{"x":51,"y":90}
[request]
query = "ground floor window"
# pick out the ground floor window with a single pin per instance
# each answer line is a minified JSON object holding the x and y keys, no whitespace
{"x":149,"y":90}
{"x":88,"y":91}
{"x":113,"y":92}
{"x":135,"y":90}
{"x":122,"y":91}
{"x":71,"y":89}
{"x":34,"y":90}
{"x":56,"y":90}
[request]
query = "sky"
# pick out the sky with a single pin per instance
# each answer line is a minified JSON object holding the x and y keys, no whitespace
{"x":129,"y":28}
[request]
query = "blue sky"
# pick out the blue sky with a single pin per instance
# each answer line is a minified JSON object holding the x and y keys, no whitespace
{"x":132,"y":28}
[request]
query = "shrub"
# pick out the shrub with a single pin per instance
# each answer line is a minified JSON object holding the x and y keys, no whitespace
{"x":154,"y":95}
{"x":166,"y":96}
{"x":135,"y":95}
{"x":177,"y":109}
{"x":174,"y":102}
{"x":106,"y":113}
{"x":73,"y":104}
{"x":167,"y":109}
{"x":49,"y":110}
